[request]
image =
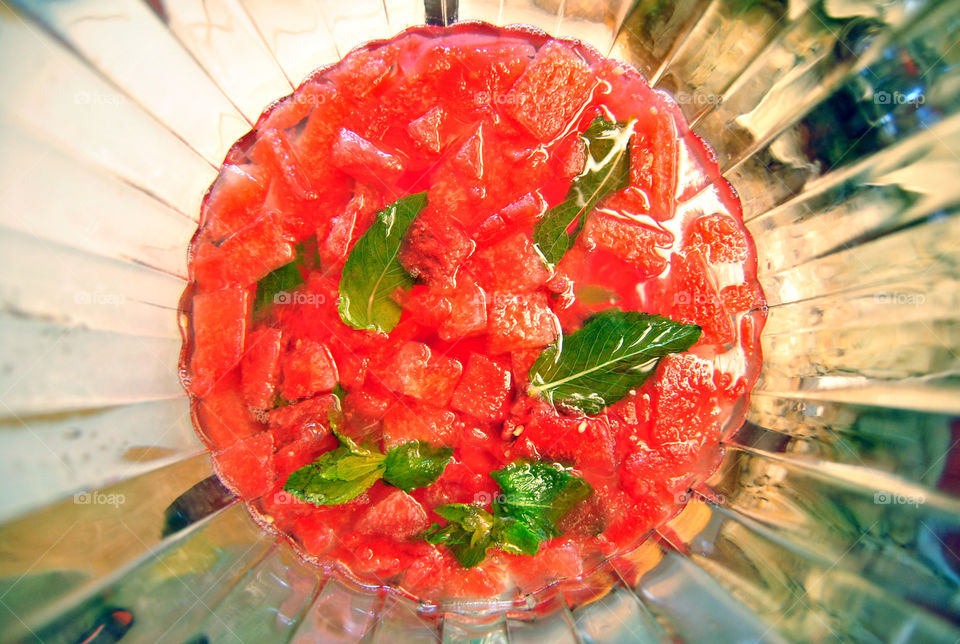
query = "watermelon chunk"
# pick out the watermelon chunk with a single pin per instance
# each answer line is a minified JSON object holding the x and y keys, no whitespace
{"x":314,"y":533}
{"x":306,"y":418}
{"x":260,"y":369}
{"x":687,"y":407}
{"x":246,"y":256}
{"x":339,"y":233}
{"x":274,"y":151}
{"x":364,"y":69}
{"x":425,"y":130}
{"x":484,"y":390}
{"x":460,"y":483}
{"x":512,"y":266}
{"x":363,"y":160}
{"x":582,"y":441}
{"x":719,"y":238}
{"x":235,"y":198}
{"x":468,"y":158}
{"x":653,"y":161}
{"x":742,"y":297}
{"x":247,"y":465}
{"x":551,"y":91}
{"x":308,"y":369}
{"x":433,"y":249}
{"x":468,"y":312}
{"x":219,"y":321}
{"x":456,"y":313}
{"x":415,"y":370}
{"x":518,"y":216}
{"x":521,"y":321}
{"x":641,"y":245}
{"x":695,"y":299}
{"x":397,"y":515}
{"x":411,"y":421}
{"x":647,"y":473}
{"x":558,"y":559}
{"x":223,"y":415}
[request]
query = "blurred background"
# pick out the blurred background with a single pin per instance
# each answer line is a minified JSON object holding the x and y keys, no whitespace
{"x":835,"y":514}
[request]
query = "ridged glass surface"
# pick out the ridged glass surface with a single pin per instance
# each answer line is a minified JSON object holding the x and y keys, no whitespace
{"x":835,"y":514}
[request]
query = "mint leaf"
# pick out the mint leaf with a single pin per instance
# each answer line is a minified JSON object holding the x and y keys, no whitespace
{"x":372,"y":273}
{"x":514,"y":537}
{"x":276,"y":286}
{"x":468,"y":532}
{"x":606,"y":170}
{"x":415,"y":464}
{"x":336,"y":477}
{"x":537,"y":495}
{"x":347,"y":471}
{"x":614,"y":352}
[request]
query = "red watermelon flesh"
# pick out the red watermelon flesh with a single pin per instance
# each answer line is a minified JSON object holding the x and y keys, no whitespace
{"x":488,"y":122}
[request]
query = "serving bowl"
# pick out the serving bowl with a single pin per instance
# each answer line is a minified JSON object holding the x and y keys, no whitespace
{"x":834,"y":514}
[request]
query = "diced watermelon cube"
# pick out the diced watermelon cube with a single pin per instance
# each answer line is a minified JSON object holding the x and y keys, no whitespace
{"x":686,"y":407}
{"x":260,"y":368}
{"x":551,"y":91}
{"x":557,"y":559}
{"x":339,"y":233}
{"x":742,"y":297}
{"x":428,"y":305}
{"x":411,"y":421}
{"x":397,"y":515}
{"x":719,"y":238}
{"x":351,"y":366}
{"x":468,"y":311}
{"x":247,"y":466}
{"x":425,"y":130}
{"x":646,"y":473}
{"x":434,"y":248}
{"x":460,"y":483}
{"x":364,"y":69}
{"x":628,"y":520}
{"x":306,"y":418}
{"x":521,"y":321}
{"x":519,"y":216}
{"x":570,"y":156}
{"x":246,"y":256}
{"x":511,"y":266}
{"x":363,"y":160}
{"x":223,"y":416}
{"x":415,"y":370}
{"x":235,"y":198}
{"x":219,"y":321}
{"x":484,"y":581}
{"x":582,"y":441}
{"x":468,"y":158}
{"x":308,"y":369}
{"x":484,"y":389}
{"x":641,"y":245}
{"x":695,"y":299}
{"x":274,"y":151}
{"x":314,"y":533}
{"x":653,"y":161}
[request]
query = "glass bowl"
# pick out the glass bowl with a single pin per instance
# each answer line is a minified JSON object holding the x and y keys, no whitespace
{"x":834,"y":514}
